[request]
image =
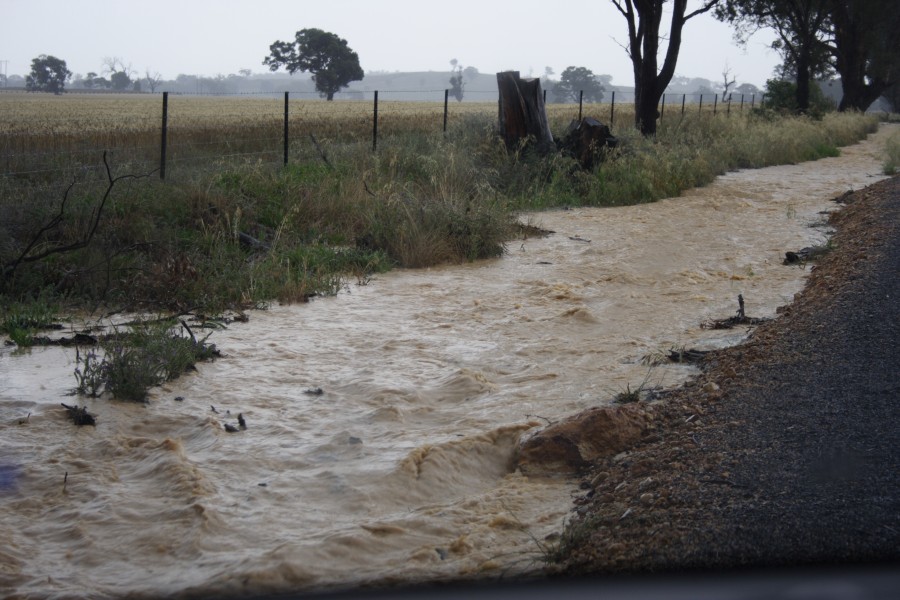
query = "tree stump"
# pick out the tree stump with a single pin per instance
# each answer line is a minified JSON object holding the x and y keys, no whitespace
{"x":585,"y":140}
{"x":522,"y":115}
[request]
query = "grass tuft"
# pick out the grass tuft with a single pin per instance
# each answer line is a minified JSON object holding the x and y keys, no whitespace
{"x":131,"y":363}
{"x":246,"y":232}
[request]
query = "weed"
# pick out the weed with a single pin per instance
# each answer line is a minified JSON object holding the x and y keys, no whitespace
{"x":20,"y":320}
{"x":892,"y":150}
{"x":89,"y":373}
{"x":148,"y":355}
{"x":628,"y":395}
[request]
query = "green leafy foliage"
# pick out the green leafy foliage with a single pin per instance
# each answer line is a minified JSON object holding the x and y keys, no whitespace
{"x":575,"y":80}
{"x":324,"y":54}
{"x":150,"y":354}
{"x":48,"y":74}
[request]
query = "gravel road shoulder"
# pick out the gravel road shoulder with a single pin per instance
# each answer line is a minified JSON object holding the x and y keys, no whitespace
{"x":785,"y":451}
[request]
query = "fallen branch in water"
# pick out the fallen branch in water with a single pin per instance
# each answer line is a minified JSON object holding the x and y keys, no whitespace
{"x":79,"y":415}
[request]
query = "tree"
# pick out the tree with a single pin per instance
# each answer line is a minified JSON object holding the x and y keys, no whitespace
{"x":781,"y":95}
{"x":456,"y":80}
{"x":892,"y":97}
{"x":801,"y":26}
{"x":575,"y":80}
{"x":866,"y":49}
{"x":92,"y":80}
{"x":153,"y":79}
{"x":727,"y":83}
{"x":119,"y":81}
{"x":119,"y":73}
{"x":48,"y":74}
{"x":330,"y":60}
{"x":644,"y":18}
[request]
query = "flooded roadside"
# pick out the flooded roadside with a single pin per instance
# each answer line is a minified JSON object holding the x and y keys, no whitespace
{"x":401,"y":469}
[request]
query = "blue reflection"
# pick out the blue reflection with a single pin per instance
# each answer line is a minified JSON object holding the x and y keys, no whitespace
{"x":9,"y":474}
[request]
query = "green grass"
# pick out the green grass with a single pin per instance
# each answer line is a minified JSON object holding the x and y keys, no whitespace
{"x":147,"y":355}
{"x":892,"y":150}
{"x":422,"y":199}
{"x":22,"y":318}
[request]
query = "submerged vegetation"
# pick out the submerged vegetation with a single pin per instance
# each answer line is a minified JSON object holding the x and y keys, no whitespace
{"x":892,"y":149}
{"x":146,"y":355}
{"x":244,"y":233}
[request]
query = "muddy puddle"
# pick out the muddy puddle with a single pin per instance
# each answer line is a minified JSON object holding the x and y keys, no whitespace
{"x":400,"y":470}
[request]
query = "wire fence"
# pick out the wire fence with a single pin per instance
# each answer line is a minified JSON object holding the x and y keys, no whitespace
{"x":45,"y":137}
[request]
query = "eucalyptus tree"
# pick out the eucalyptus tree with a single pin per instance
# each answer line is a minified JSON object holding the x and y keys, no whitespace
{"x":329,"y":58}
{"x":48,"y":74}
{"x":865,"y":45}
{"x":801,"y":27}
{"x":644,"y":19}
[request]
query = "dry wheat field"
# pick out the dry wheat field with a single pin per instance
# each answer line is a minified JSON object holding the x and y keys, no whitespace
{"x":47,"y":135}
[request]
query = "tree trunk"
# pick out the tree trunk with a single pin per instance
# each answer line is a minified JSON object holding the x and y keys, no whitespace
{"x":803,"y":63}
{"x":858,"y":95}
{"x":522,"y":115}
{"x":858,"y":38}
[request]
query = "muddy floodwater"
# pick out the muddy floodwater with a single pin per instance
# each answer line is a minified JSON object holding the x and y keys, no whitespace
{"x":401,"y":469}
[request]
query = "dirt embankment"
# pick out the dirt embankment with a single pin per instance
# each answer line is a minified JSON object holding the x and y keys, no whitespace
{"x":785,"y":450}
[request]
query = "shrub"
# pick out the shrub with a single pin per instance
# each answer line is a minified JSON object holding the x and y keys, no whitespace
{"x":133,"y":362}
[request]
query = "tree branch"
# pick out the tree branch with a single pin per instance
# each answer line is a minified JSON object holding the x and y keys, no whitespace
{"x":710,"y":4}
{"x":25,"y":257}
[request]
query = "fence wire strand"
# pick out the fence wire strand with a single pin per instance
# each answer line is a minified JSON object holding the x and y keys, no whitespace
{"x":37,"y":141}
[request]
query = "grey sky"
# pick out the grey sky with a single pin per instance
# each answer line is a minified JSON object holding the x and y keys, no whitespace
{"x":210,"y":37}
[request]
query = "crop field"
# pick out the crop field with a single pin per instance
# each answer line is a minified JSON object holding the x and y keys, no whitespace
{"x":46,"y":136}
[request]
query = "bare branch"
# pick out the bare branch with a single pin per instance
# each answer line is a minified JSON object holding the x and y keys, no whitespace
{"x":26,"y":257}
{"x":708,"y":6}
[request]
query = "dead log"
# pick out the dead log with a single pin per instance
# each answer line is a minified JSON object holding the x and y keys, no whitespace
{"x":586,"y":141}
{"x":522,"y":114}
{"x":804,"y":255}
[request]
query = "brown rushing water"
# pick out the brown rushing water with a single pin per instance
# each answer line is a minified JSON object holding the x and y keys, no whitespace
{"x":401,"y":469}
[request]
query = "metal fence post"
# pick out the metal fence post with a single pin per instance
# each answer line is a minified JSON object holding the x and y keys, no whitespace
{"x":612,"y":108}
{"x":580,"y":102}
{"x":446,"y":105}
{"x":701,"y":104}
{"x":683,"y":100}
{"x":662,"y":110}
{"x":375,"y":124}
{"x":286,"y":128}
{"x":165,"y":132}
{"x":715,"y":103}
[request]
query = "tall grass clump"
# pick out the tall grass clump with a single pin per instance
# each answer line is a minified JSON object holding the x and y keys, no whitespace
{"x":21,"y":319}
{"x":244,"y":230}
{"x":131,"y":363}
{"x":690,"y":151}
{"x":892,"y":152}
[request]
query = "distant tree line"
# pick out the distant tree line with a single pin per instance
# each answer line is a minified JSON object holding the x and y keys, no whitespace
{"x":856,"y":39}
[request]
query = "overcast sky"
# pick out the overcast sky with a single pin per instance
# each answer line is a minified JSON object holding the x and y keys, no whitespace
{"x":211,"y":37}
